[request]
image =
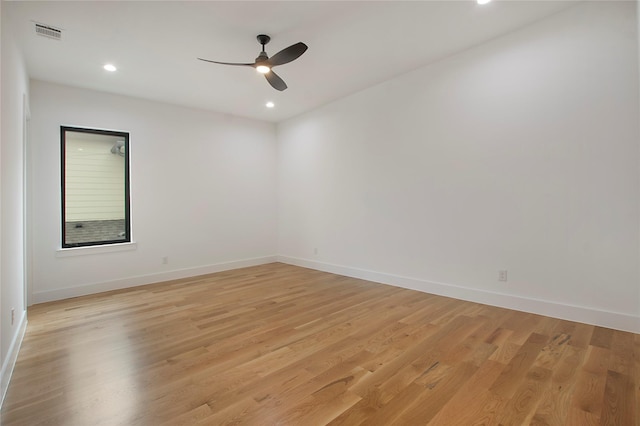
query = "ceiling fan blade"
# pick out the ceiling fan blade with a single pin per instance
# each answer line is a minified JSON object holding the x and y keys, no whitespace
{"x":275,"y":81}
{"x":288,"y":54}
{"x":226,"y":63}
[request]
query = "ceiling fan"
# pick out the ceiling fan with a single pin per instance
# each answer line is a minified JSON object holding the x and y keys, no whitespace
{"x":264,"y":64}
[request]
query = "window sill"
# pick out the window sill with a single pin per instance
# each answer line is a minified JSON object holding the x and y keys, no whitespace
{"x":82,"y":251}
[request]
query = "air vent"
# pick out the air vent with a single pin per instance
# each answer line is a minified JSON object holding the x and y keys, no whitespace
{"x":49,"y":32}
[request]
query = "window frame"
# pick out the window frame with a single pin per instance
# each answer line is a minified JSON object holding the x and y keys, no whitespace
{"x":127,"y":198}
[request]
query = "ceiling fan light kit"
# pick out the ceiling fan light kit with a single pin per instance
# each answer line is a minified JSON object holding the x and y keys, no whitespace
{"x":264,"y":64}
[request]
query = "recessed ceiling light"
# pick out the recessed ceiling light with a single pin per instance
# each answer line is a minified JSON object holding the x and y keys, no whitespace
{"x":110,"y":67}
{"x":270,"y":104}
{"x":483,"y":1}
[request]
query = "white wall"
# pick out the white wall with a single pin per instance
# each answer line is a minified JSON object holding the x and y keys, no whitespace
{"x":638,"y":37}
{"x":520,"y":154}
{"x":14,"y":92}
{"x":203,"y":192}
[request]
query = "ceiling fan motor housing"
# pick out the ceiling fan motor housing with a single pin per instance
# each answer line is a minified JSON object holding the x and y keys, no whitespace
{"x":262,"y":57}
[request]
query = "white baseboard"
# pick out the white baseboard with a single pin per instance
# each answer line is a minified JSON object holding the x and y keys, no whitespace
{"x":583,"y":314}
{"x":66,"y":293}
{"x":12,"y":356}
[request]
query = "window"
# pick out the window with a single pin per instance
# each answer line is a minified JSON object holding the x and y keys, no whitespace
{"x":95,"y":187}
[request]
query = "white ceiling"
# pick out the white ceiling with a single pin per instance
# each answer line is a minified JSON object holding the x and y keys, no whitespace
{"x":352,"y":45}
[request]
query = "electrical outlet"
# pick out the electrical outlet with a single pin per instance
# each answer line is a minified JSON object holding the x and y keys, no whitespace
{"x":502,"y":275}
{"x":315,"y":250}
{"x":165,"y":260}
{"x":13,"y":315}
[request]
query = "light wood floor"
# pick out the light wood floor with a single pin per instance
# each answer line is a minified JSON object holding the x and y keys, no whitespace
{"x":282,"y":345}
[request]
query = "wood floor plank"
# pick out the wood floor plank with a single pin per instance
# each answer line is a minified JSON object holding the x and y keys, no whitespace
{"x":436,"y":394}
{"x":619,"y":400}
{"x":602,"y":337}
{"x":279,"y":344}
{"x":553,"y":408}
{"x":473,"y":403}
{"x":517,"y":368}
{"x":522,"y":406}
{"x":589,"y":391}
